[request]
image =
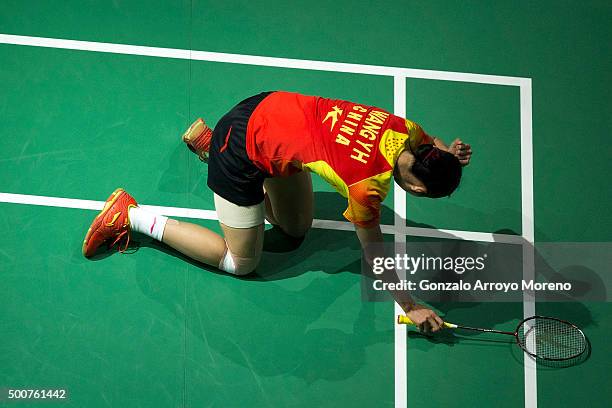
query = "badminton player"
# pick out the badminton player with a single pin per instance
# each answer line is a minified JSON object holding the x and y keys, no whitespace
{"x":260,"y":158}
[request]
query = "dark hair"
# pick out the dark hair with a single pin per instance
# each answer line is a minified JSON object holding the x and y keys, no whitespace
{"x":440,"y":171}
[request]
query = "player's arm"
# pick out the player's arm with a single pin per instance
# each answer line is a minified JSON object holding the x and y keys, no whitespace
{"x":462,"y":151}
{"x":371,"y":240}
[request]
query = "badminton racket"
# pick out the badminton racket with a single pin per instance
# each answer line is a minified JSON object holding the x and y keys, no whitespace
{"x":542,"y":337}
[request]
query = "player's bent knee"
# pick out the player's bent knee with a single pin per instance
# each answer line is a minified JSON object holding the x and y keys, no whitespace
{"x":298,"y":229}
{"x":237,"y":265}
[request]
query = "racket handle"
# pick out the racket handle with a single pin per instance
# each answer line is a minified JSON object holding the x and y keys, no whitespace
{"x":402,"y":319}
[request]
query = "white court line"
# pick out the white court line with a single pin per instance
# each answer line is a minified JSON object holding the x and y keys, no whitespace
{"x":98,"y":205}
{"x":257,"y":60}
{"x":396,"y":72}
{"x":426,"y":232}
{"x":528,"y":229}
{"x":399,"y":208}
{"x":196,"y":213}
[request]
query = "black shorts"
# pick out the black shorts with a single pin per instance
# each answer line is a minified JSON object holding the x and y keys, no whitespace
{"x":231,"y":174}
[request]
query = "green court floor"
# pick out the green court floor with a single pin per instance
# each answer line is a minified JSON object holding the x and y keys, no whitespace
{"x":151,"y":329}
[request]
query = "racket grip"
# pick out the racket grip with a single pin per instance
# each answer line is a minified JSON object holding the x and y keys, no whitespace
{"x":403,"y":319}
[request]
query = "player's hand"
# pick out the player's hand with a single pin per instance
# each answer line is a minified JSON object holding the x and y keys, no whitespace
{"x":461,"y":151}
{"x":426,"y":319}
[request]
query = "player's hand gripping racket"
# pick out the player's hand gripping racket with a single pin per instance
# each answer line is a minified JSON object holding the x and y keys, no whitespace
{"x":547,"y":338}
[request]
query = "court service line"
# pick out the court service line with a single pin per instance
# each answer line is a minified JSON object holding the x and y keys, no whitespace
{"x":314,"y":65}
{"x":98,"y":205}
{"x":196,"y":213}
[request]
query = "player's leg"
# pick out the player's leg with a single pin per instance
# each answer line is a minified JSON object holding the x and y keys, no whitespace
{"x":243,"y":228}
{"x":195,"y":241}
{"x":230,"y":173}
{"x":121,"y":216}
{"x":290,"y":203}
{"x":238,"y":252}
{"x":238,"y":187}
{"x":243,"y":251}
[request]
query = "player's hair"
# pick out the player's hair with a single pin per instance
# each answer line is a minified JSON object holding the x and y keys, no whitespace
{"x":440,"y":171}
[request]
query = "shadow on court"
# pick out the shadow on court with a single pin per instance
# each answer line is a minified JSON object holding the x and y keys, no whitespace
{"x":490,"y":314}
{"x":283,"y":329}
{"x":290,"y":340}
{"x":273,"y":330}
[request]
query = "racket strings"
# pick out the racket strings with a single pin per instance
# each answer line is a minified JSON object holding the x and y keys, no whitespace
{"x":551,"y":339}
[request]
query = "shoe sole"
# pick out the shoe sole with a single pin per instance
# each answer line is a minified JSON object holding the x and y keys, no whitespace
{"x":96,"y":222}
{"x":190,"y":134}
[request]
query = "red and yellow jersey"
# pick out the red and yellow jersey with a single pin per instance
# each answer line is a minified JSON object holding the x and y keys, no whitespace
{"x":353,"y":147}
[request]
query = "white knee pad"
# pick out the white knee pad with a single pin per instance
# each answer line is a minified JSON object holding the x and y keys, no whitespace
{"x":237,"y":265}
{"x":237,"y":216}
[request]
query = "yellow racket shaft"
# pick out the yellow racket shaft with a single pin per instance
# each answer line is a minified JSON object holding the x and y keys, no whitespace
{"x":402,"y":319}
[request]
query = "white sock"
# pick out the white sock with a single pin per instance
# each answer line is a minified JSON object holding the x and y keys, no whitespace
{"x":147,"y":223}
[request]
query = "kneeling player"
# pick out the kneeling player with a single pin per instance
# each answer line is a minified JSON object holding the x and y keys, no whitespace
{"x":260,"y":156}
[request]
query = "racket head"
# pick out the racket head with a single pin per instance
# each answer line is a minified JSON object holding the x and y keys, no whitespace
{"x":551,"y":339}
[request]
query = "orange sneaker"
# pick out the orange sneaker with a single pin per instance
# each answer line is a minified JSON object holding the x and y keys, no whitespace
{"x":112,"y":223}
{"x":198,"y":138}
